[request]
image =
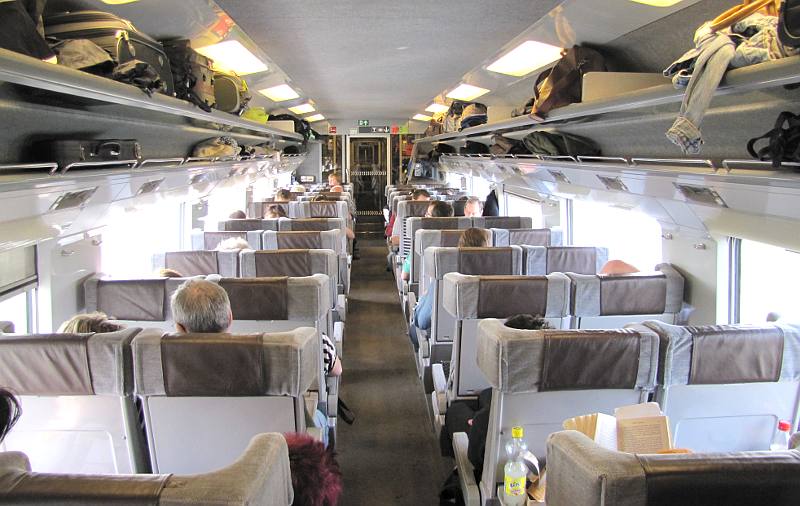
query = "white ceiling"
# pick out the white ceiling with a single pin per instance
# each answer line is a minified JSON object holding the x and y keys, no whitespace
{"x":347,"y":56}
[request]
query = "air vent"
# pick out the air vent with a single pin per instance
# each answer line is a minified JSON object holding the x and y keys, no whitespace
{"x":613,"y":183}
{"x":149,"y":187}
{"x":559,"y":176}
{"x":73,"y":199}
{"x":700,"y":195}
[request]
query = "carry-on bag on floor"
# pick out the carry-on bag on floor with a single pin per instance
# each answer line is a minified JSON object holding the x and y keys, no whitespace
{"x":116,"y":35}
{"x":191,"y":71}
{"x":70,"y":151}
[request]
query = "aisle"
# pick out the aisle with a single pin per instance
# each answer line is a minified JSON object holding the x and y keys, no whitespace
{"x":390,"y":455}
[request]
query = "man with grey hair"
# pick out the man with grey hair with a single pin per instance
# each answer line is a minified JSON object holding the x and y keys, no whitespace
{"x":201,"y":306}
{"x":473,"y":208}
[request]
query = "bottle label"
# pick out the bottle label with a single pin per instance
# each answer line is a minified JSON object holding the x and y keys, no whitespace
{"x":515,"y":487}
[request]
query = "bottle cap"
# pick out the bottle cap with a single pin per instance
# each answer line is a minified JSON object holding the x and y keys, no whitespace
{"x":517,"y":432}
{"x":783,"y":426}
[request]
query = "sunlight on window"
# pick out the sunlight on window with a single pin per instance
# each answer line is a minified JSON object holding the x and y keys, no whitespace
{"x":520,"y":206}
{"x":769,"y":283}
{"x":15,"y":310}
{"x":628,"y":235}
{"x":480,"y":187}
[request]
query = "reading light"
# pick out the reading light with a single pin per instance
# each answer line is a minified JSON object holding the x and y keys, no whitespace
{"x":280,"y":93}
{"x":467,"y":92}
{"x":316,"y":117}
{"x":525,"y":58}
{"x":302,"y":109}
{"x":421,"y":117}
{"x":657,"y":3}
{"x":232,"y":56}
{"x":437,"y":108}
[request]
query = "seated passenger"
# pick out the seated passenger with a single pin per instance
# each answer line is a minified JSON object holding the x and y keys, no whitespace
{"x":617,"y":267}
{"x":316,"y":478}
{"x":232,"y":244}
{"x":283,"y":195}
{"x":275,"y":211}
{"x":461,"y":417}
{"x":418,"y":195}
{"x":473,"y":208}
{"x":470,"y":238}
{"x":436,"y":209}
{"x":168,"y":273}
{"x":334,"y":179}
{"x":201,"y":306}
{"x":9,"y":412}
{"x":237,"y":215}
{"x":89,"y":322}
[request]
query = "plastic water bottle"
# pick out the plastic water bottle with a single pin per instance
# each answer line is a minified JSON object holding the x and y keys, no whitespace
{"x":780,"y":441}
{"x":515,"y":470}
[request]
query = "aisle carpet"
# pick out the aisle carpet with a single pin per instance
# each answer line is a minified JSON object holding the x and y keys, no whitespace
{"x":390,"y":455}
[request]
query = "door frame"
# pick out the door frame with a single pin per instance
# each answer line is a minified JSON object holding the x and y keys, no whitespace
{"x":388,"y":138}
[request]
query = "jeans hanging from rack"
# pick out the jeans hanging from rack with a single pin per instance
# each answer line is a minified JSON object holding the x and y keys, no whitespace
{"x":703,"y":68}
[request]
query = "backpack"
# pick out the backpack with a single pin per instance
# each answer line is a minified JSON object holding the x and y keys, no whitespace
{"x":491,"y":206}
{"x":789,"y":23}
{"x":473,"y":115}
{"x":505,"y":146}
{"x":562,"y":84}
{"x":783,"y":142}
{"x":450,"y":493}
{"x":560,"y":144}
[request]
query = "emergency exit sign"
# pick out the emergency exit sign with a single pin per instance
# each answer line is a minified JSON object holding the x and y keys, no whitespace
{"x":363,"y":122}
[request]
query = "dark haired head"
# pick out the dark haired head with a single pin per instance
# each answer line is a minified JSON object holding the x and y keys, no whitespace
{"x":283,"y":195}
{"x":439,"y":209}
{"x":237,"y":215}
{"x":527,"y":322}
{"x":9,"y":412}
{"x":474,"y":238}
{"x":420,"y":194}
{"x":316,"y":478}
{"x":275,"y":211}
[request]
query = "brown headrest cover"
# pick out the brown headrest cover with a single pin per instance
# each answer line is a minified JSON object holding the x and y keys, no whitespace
{"x":257,"y":298}
{"x":723,"y":354}
{"x":450,"y":238}
{"x":132,"y":299}
{"x":485,"y":261}
{"x":286,"y":262}
{"x":244,"y":224}
{"x":46,"y":364}
{"x":504,"y":296}
{"x":572,"y":259}
{"x":442,"y":223}
{"x":633,"y":294}
{"x":323,"y":209}
{"x":310,"y":224}
{"x":502,"y":221}
{"x":192,"y":263}
{"x":299,"y":240}
{"x":529,"y":237}
{"x":417,"y":208}
{"x":212,"y":239}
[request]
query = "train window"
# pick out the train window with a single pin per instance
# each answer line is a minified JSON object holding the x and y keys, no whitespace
{"x":521,"y":206}
{"x":221,"y":203}
{"x":480,"y":187}
{"x":628,"y":235}
{"x":769,"y":277}
{"x":18,"y":281}
{"x":17,"y":310}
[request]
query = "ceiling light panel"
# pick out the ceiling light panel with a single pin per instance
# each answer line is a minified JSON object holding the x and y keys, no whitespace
{"x":437,"y":108}
{"x":316,"y":117}
{"x":467,"y":92}
{"x":232,"y":56}
{"x":302,"y":109}
{"x":421,"y":117}
{"x":525,"y":58}
{"x":280,"y":93}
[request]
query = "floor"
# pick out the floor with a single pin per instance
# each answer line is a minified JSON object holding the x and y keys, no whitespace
{"x":390,"y":454}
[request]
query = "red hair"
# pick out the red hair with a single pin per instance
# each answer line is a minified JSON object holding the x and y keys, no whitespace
{"x":316,"y":478}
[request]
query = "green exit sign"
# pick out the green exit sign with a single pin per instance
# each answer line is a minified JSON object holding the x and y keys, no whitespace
{"x":363,"y":122}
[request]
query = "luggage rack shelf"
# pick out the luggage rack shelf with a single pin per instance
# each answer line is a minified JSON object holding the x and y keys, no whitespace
{"x":26,"y":71}
{"x":760,"y":76}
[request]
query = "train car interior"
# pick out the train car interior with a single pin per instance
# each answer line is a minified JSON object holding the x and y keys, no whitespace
{"x":353,"y":252}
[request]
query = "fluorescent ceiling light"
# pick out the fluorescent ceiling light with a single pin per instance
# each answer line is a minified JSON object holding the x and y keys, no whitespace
{"x":316,"y":117}
{"x":525,"y":58}
{"x":435,"y":108}
{"x":467,"y":92}
{"x":279,"y":93}
{"x":302,"y":109}
{"x":232,"y":56}
{"x":421,"y":117}
{"x":657,"y":3}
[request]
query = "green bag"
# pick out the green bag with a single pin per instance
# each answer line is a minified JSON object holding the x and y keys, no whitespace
{"x":560,"y":144}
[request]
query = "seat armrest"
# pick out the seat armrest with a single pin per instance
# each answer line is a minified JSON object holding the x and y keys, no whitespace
{"x":439,"y":379}
{"x":466,"y":472}
{"x":341,"y":307}
{"x":411,"y":303}
{"x":338,"y":332}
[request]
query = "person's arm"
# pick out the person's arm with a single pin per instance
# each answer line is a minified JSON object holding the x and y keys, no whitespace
{"x":349,"y":233}
{"x":422,"y":315}
{"x":333,"y":366}
{"x":337,"y":368}
{"x":406,"y":269}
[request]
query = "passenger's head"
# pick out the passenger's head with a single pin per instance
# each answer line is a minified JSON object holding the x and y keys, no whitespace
{"x":420,"y":194}
{"x":233,"y":243}
{"x":474,"y":238}
{"x":201,"y":306}
{"x":618,"y":267}
{"x":439,"y":209}
{"x":473,"y":207}
{"x":334,"y":179}
{"x":275,"y":211}
{"x":527,"y":322}
{"x":89,"y":322}
{"x":169,"y":273}
{"x":237,"y":215}
{"x":283,"y":195}
{"x":316,"y":478}
{"x":9,"y":412}
{"x":319,"y":198}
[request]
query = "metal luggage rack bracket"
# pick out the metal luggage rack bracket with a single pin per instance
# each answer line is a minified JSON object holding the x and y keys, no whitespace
{"x":107,"y":163}
{"x":559,"y":158}
{"x":693,"y":162}
{"x":602,"y":159}
{"x":161,"y":161}
{"x":759,"y":164}
{"x":51,"y":167}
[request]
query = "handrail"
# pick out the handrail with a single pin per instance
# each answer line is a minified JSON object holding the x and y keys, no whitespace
{"x":15,"y":167}
{"x":106,"y":163}
{"x":160,"y":161}
{"x":638,"y":162}
{"x":601,"y":159}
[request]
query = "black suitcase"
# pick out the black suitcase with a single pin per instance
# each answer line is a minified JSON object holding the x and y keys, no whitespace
{"x":192,"y":74}
{"x":116,"y":35}
{"x":69,"y":151}
{"x":19,"y":31}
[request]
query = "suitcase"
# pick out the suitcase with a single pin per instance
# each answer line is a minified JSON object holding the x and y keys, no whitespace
{"x":19,"y":31}
{"x":230,"y":93}
{"x":192,"y":74}
{"x":116,"y":35}
{"x":69,"y":151}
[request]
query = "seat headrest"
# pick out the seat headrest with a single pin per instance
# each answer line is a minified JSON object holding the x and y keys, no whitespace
{"x":242,"y":225}
{"x":128,"y":299}
{"x":198,"y":263}
{"x":409,"y":208}
{"x":310,"y":224}
{"x":325,"y":239}
{"x":542,"y":260}
{"x":280,"y":298}
{"x":626,"y":294}
{"x":445,"y":223}
{"x":523,"y":236}
{"x":279,"y":363}
{"x":502,"y":222}
{"x":67,"y":364}
{"x":476,"y":261}
{"x":516,"y":361}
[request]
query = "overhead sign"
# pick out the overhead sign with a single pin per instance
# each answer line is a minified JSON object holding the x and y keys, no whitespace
{"x":374,"y":130}
{"x":363,"y":122}
{"x":332,"y":130}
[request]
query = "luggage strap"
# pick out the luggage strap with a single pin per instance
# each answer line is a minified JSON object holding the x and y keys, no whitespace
{"x":784,"y":142}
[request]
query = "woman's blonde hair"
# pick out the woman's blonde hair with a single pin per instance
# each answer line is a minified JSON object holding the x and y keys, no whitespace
{"x":474,"y":238}
{"x":89,"y":322}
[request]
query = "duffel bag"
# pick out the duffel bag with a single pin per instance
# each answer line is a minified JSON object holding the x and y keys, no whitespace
{"x":20,"y":31}
{"x":789,"y":23}
{"x":116,"y":35}
{"x":191,"y":71}
{"x":563,"y":84}
{"x":231,"y":93}
{"x":560,"y":144}
{"x":68,"y":151}
{"x":505,"y":146}
{"x":473,"y":115}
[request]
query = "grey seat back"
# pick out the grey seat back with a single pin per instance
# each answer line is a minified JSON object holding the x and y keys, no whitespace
{"x":416,"y":224}
{"x":325,"y":239}
{"x":541,"y":260}
{"x":472,"y":299}
{"x":582,"y":473}
{"x":261,"y":475}
{"x":210,"y":240}
{"x":258,"y":209}
{"x":134,"y":302}
{"x":221,"y":389}
{"x":407,"y":209}
{"x":315,"y":225}
{"x":527,"y":236}
{"x":78,"y":413}
{"x":502,"y":222}
{"x":245,"y":224}
{"x":323,"y":209}
{"x":199,"y":262}
{"x":292,"y":263}
{"x":724,"y":387}
{"x":539,"y":378}
{"x":612,"y":301}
